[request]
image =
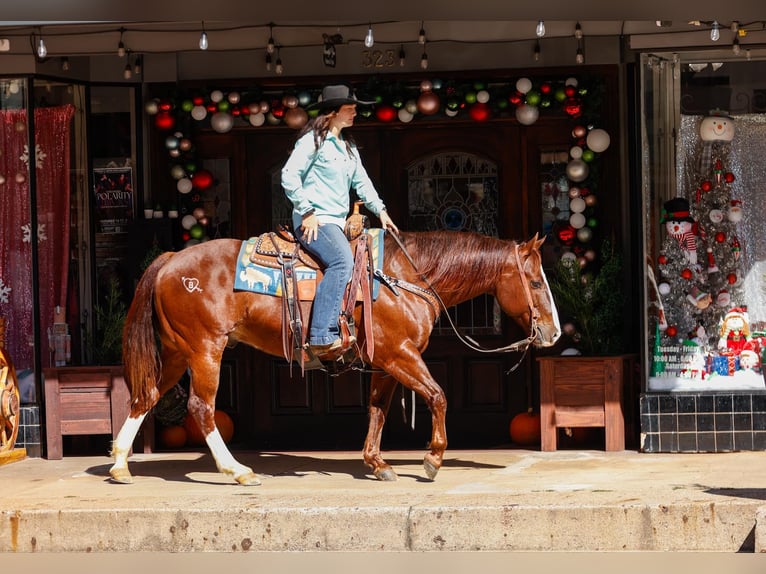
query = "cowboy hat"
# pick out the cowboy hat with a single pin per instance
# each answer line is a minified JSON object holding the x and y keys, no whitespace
{"x":336,"y":96}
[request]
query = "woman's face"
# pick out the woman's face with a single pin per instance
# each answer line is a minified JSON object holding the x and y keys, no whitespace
{"x":344,"y":117}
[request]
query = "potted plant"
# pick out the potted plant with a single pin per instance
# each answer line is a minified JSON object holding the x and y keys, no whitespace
{"x":584,"y":387}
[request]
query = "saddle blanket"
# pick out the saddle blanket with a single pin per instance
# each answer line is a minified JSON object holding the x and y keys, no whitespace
{"x":256,"y":278}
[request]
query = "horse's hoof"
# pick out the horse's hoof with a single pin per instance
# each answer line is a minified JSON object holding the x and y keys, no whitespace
{"x":248,"y":479}
{"x":121,"y":475}
{"x":431,"y":469}
{"x":387,"y":475}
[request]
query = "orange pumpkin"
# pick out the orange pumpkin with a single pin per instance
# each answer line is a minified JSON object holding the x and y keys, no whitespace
{"x":172,"y":437}
{"x":225,"y":425}
{"x":194,"y":436}
{"x":525,"y":428}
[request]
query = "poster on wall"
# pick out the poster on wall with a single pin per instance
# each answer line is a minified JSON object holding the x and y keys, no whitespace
{"x":113,"y":191}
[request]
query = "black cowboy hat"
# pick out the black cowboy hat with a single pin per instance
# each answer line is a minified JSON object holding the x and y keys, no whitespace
{"x":336,"y":96}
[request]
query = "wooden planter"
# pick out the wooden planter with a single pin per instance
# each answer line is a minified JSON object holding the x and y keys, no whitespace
{"x":584,"y":392}
{"x":84,"y":401}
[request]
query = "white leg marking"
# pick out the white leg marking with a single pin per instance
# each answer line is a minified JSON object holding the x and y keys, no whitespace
{"x":554,"y":310}
{"x":121,"y":448}
{"x":224,"y":460}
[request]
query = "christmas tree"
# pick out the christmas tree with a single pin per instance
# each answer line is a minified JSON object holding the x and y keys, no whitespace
{"x":700,"y":275}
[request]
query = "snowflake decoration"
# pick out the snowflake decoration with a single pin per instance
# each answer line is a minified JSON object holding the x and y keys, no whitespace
{"x":26,"y":230}
{"x":5,"y":291}
{"x":40,"y":156}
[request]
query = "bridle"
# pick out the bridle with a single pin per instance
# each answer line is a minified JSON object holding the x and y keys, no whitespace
{"x":521,"y":345}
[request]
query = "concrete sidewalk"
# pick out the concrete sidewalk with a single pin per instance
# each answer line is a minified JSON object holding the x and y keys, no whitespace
{"x":490,"y":500}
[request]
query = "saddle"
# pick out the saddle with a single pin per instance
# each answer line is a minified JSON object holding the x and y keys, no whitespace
{"x":281,"y":250}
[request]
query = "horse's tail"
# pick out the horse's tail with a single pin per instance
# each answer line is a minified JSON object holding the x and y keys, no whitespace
{"x":140,"y":354}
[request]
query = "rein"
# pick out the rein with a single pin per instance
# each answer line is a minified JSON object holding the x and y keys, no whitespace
{"x":521,"y":345}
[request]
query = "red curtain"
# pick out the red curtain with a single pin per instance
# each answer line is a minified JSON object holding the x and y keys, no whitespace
{"x":52,"y":133}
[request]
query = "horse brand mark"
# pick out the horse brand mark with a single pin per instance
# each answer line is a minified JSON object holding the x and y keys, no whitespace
{"x":191,"y":284}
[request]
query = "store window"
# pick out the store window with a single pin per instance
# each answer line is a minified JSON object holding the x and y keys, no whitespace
{"x":703,"y":160}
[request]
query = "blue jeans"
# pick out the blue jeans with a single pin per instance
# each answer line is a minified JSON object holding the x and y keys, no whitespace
{"x":333,"y":250}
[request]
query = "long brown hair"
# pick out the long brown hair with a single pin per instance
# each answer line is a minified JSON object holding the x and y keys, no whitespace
{"x":320,"y":125}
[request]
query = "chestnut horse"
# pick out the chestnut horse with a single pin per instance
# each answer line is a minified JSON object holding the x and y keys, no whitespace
{"x":187,"y":301}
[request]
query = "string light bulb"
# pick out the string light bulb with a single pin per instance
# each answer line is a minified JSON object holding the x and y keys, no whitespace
{"x":735,"y":48}
{"x":203,"y":43}
{"x":422,"y":34}
{"x":424,"y":59}
{"x":540,"y":29}
{"x":715,"y":31}
{"x":121,"y":45}
{"x":278,"y":64}
{"x":268,"y":62}
{"x":270,"y":44}
{"x":127,"y":71}
{"x":138,"y":65}
{"x":402,"y":56}
{"x":369,"y":41}
{"x":579,"y":57}
{"x":578,"y":31}
{"x":65,"y":64}
{"x":42,"y":49}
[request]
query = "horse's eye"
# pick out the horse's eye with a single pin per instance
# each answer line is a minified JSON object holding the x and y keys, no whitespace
{"x":536,"y":284}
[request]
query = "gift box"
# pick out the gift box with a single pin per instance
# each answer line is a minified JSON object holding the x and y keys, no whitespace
{"x":725,"y":365}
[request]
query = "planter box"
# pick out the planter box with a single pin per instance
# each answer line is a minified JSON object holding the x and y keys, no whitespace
{"x":584,"y":392}
{"x":83,"y":401}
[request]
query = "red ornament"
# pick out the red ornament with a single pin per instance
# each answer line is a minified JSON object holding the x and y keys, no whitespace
{"x":566,"y":234}
{"x":570,"y":91}
{"x":479,"y":112}
{"x":165,"y":106}
{"x":579,"y":132}
{"x":212,"y":107}
{"x":706,"y":185}
{"x":662,"y":260}
{"x":164,"y":121}
{"x":546,"y":88}
{"x":573,"y":107}
{"x":720,"y":237}
{"x":516,"y":98}
{"x":729,"y":177}
{"x":671,"y":331}
{"x":202,"y":179}
{"x":686,"y":273}
{"x":386,"y":113}
{"x":731,"y":278}
{"x":198,"y":100}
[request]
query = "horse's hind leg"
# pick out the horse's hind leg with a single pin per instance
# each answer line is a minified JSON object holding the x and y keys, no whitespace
{"x":382,"y":388}
{"x":173,"y":366}
{"x":204,"y":385}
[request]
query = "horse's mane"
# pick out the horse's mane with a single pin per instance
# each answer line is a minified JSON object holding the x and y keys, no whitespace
{"x":449,"y":259}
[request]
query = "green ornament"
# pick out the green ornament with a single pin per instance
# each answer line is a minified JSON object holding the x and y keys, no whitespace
{"x":479,"y":86}
{"x":187,"y":105}
{"x":592,"y":222}
{"x":223,"y":106}
{"x":560,"y":95}
{"x":470,"y":97}
{"x":545,"y":103}
{"x":533,"y":98}
{"x":588,"y":155}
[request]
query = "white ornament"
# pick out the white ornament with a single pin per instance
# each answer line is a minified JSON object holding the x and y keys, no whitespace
{"x":184,"y":185}
{"x":527,"y":115}
{"x":199,"y":113}
{"x":575,"y":152}
{"x":222,"y":122}
{"x":216,"y":96}
{"x":523,"y":85}
{"x":577,"y":220}
{"x":663,"y":288}
{"x":482,"y":96}
{"x":716,"y":215}
{"x":404,"y":115}
{"x":577,"y":205}
{"x":257,"y":119}
{"x":598,"y":140}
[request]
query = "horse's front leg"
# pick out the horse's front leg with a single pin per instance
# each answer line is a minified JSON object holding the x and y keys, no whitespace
{"x":201,"y":405}
{"x":410,"y":370}
{"x":382,"y":388}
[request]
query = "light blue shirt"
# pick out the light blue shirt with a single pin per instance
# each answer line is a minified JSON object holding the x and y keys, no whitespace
{"x":322,"y":179}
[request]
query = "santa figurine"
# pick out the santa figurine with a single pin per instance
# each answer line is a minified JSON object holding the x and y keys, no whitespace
{"x":680,"y":225}
{"x":735,"y":331}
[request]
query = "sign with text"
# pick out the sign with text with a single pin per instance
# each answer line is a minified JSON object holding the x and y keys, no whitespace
{"x":113,"y":190}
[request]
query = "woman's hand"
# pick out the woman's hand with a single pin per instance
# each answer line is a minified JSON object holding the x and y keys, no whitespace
{"x":309,"y":224}
{"x":388,"y":223}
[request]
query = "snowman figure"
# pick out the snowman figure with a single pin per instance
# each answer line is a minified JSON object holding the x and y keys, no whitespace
{"x":718,"y":126}
{"x":680,"y":225}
